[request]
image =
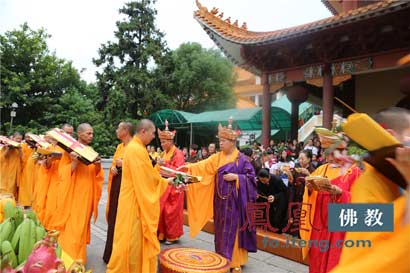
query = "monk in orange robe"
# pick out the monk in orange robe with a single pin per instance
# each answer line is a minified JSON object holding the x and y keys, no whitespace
{"x":389,"y":251}
{"x":26,"y":187}
{"x":68,"y":129}
{"x":377,"y":185}
{"x":330,"y":171}
{"x":10,"y":167}
{"x":136,"y":245}
{"x":46,"y":173}
{"x":227,"y":187}
{"x":55,"y":178}
{"x":52,"y":191}
{"x":80,"y":193}
{"x":171,"y":217}
{"x":125,"y":132}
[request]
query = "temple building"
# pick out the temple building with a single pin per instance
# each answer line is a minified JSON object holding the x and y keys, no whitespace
{"x":349,"y":60}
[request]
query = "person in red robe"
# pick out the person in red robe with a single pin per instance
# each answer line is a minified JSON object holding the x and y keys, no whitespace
{"x":323,"y":258}
{"x":172,"y":201}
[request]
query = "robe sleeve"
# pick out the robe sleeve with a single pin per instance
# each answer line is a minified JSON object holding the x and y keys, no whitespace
{"x":65,"y":192}
{"x":247,"y":181}
{"x":98,"y":180}
{"x":355,"y":254}
{"x":178,"y":159}
{"x":392,"y":254}
{"x":309,"y":204}
{"x":200,"y":195}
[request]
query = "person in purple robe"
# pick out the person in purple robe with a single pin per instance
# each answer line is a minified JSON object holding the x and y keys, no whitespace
{"x":227,"y":189}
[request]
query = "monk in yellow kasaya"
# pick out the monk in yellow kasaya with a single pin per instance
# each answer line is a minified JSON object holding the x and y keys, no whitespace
{"x":80,"y":192}
{"x":47,"y":174}
{"x":125,"y":132}
{"x":55,"y":179}
{"x":136,"y":245}
{"x":383,"y":181}
{"x":10,"y":167}
{"x":227,"y":187}
{"x":26,"y":187}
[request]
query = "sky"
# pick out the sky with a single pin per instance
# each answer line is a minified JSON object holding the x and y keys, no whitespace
{"x":79,"y":27}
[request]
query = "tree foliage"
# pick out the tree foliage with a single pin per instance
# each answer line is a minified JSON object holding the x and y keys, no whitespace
{"x":31,"y":76}
{"x":198,"y":79}
{"x":137,"y":76}
{"x":48,"y":90}
{"x":126,"y":82}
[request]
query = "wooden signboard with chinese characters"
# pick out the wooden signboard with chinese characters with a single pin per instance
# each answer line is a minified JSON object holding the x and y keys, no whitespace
{"x":39,"y":140}
{"x":6,"y":141}
{"x":86,"y":154}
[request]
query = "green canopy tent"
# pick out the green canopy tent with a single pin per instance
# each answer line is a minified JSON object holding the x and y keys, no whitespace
{"x":202,"y":128}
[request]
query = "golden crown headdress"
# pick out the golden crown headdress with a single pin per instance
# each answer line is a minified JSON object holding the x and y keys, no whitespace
{"x":228,"y":132}
{"x":166,"y":134}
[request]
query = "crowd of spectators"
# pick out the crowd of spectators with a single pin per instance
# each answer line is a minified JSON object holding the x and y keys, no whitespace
{"x":280,"y":168}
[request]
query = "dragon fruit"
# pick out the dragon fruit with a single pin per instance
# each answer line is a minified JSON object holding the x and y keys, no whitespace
{"x":43,"y":258}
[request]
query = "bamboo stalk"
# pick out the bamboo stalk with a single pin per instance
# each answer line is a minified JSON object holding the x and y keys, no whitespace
{"x":346,"y":105}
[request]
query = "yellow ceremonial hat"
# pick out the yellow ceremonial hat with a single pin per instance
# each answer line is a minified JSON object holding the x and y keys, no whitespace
{"x":166,"y":134}
{"x":368,"y":133}
{"x":227,"y":132}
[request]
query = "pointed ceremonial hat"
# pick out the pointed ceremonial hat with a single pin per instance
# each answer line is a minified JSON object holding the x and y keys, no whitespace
{"x":228,"y":132}
{"x":166,"y":133}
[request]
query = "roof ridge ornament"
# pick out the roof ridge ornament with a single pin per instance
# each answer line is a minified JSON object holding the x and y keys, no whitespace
{"x":244,"y":26}
{"x":214,"y":10}
{"x":224,"y":25}
{"x":200,"y":7}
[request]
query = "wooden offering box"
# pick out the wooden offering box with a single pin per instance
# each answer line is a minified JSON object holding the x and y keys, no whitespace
{"x":39,"y":140}
{"x":6,"y":141}
{"x":69,"y":144}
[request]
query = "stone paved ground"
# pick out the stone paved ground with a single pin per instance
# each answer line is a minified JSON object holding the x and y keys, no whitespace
{"x":258,"y":262}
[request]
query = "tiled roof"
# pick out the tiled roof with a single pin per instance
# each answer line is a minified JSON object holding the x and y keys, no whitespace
{"x":331,"y":6}
{"x":214,"y":22}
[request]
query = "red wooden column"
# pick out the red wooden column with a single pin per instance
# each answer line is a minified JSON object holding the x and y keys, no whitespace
{"x":327,"y":97}
{"x":266,"y":107}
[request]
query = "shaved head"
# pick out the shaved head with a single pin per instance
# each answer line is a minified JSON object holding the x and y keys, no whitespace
{"x":127,"y":126}
{"x":144,"y":124}
{"x":67,"y":125}
{"x":396,"y":120}
{"x":83,"y":127}
{"x":145,"y":131}
{"x":17,"y":136}
{"x":68,"y":128}
{"x":85,"y":133}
